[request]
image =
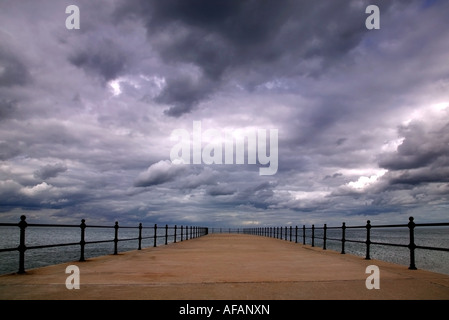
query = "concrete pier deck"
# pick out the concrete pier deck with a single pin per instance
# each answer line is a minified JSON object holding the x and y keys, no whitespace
{"x":228,"y":267}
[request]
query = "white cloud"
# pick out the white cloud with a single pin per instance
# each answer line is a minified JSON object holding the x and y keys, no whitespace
{"x":366,"y":181}
{"x":159,"y":173}
{"x":37,"y":189}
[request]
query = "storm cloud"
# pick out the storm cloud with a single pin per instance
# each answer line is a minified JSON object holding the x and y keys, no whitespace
{"x":86,"y":115}
{"x":248,"y":41}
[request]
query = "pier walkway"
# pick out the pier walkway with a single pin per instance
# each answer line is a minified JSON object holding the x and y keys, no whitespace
{"x":228,"y":267}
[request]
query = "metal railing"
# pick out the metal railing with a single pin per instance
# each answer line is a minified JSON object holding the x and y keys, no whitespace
{"x":226,"y":230}
{"x":291,"y":233}
{"x":173,"y":233}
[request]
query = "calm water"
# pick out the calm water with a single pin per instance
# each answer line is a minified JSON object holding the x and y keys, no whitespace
{"x":437,"y":261}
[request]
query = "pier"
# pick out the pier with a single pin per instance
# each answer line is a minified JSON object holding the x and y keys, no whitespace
{"x":226,"y":266}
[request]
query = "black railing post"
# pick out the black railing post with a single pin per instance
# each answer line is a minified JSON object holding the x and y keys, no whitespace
{"x":187,"y":232}
{"x":140,"y":237}
{"x":181,"y":232}
{"x":368,"y":240}
{"x":22,"y":247}
{"x":412,"y":245}
{"x":82,"y":241}
{"x":281,"y":232}
{"x":303,"y":234}
{"x":166,"y":234}
{"x":286,"y":235}
{"x":175,"y":234}
{"x":324,"y":236}
{"x":296,"y":234}
{"x":343,"y":234}
{"x":155,"y":235}
{"x":290,"y":233}
{"x":116,"y":237}
{"x":313,"y":235}
{"x":190,"y":232}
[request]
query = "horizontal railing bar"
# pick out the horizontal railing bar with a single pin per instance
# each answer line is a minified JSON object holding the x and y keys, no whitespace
{"x":440,"y":224}
{"x":98,"y":226}
{"x":390,"y":244}
{"x":76,"y":243}
{"x":335,"y":239}
{"x":98,"y":241}
{"x":53,"y":245}
{"x":8,"y":249}
{"x":53,"y":225}
{"x":390,"y":226}
{"x":432,"y":248}
{"x":128,"y":239}
{"x":356,"y":241}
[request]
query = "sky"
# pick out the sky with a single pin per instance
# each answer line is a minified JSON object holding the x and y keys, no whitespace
{"x":87,"y":115}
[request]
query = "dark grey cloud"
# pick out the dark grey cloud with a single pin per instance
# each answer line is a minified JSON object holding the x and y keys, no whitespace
{"x":50,"y":171}
{"x":197,"y":178}
{"x":8,"y":108}
{"x":255,"y":41}
{"x":422,"y":157}
{"x":220,"y":190}
{"x":13,"y":71}
{"x":8,"y":150}
{"x":103,"y":58}
{"x":258,"y":195}
{"x":423,"y":146}
{"x":182,"y":93}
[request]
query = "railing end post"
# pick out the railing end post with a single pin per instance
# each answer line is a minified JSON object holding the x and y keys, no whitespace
{"x":22,"y":246}
{"x":116,"y":237}
{"x":412,"y":246}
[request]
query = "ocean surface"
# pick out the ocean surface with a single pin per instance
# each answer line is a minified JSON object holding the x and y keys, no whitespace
{"x":437,"y":261}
